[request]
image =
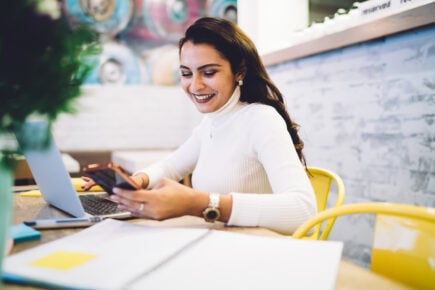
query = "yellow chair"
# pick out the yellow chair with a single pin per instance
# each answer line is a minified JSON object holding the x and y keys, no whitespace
{"x":321,"y":180}
{"x":404,"y":239}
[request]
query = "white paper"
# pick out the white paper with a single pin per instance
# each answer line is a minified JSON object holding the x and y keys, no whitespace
{"x":225,"y":260}
{"x":123,"y":251}
{"x":132,"y":256}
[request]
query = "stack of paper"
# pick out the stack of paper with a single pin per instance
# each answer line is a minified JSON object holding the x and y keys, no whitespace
{"x":120,"y":255}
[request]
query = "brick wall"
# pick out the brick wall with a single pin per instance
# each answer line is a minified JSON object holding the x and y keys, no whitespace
{"x":124,"y":118}
{"x":368,"y":113}
{"x":112,"y":118}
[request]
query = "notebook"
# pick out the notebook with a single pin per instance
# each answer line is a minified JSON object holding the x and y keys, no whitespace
{"x":53,"y":179}
{"x":186,"y":258}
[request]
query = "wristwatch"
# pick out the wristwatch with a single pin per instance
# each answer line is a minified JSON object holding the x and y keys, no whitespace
{"x":212,"y":212}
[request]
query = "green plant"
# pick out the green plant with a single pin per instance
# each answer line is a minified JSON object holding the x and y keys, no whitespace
{"x":43,"y":62}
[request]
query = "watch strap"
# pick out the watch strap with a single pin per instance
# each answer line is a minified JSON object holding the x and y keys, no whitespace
{"x":214,"y":200}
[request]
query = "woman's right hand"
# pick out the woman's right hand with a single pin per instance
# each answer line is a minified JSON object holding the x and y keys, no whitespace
{"x":89,"y":183}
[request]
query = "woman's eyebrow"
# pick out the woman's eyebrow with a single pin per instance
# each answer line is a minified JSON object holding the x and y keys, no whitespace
{"x":209,"y":65}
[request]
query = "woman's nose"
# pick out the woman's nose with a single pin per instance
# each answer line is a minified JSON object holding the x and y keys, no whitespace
{"x":197,"y":82}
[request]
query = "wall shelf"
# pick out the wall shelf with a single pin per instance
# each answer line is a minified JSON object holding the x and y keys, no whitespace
{"x":413,"y":18}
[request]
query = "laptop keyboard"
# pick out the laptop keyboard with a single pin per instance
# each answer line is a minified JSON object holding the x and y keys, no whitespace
{"x":95,"y":205}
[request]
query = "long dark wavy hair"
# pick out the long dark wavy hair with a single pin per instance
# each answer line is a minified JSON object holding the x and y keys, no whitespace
{"x":235,"y":46}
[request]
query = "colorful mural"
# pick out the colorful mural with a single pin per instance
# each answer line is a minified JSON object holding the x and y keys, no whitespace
{"x":140,"y":36}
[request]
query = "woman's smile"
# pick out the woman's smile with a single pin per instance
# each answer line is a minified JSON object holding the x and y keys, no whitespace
{"x":202,"y":98}
{"x":206,"y":76}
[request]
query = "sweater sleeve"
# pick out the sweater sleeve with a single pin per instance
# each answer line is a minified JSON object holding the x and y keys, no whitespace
{"x":283,"y":213}
{"x":293,"y":200}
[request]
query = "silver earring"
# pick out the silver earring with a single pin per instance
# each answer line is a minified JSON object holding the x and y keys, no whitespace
{"x":240,"y":83}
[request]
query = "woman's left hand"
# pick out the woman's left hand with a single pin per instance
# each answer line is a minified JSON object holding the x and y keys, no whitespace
{"x":167,"y":199}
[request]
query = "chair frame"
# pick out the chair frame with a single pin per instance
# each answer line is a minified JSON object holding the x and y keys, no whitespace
{"x":322,"y":198}
{"x":379,"y":208}
{"x":399,"y":261}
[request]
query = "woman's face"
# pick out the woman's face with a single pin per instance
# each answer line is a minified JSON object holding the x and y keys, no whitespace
{"x":206,"y":77}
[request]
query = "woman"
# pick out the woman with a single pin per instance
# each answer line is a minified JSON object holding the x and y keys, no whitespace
{"x":245,"y":157}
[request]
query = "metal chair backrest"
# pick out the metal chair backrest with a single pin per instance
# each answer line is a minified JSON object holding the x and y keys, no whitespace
{"x":321,"y":180}
{"x":404,"y":239}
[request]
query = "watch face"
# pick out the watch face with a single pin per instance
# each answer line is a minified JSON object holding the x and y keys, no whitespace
{"x":211,"y":214}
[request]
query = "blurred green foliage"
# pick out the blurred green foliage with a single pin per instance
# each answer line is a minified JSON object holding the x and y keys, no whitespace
{"x":43,"y":62}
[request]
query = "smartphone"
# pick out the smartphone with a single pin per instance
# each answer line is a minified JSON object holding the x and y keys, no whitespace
{"x":110,"y":175}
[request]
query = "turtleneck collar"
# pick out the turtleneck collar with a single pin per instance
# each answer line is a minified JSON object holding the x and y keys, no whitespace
{"x":228,"y":107}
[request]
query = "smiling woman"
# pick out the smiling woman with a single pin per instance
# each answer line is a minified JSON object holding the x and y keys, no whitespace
{"x":206,"y":76}
{"x":245,"y":157}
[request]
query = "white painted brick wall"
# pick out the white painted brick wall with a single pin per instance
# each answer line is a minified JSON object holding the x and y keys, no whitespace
{"x":368,"y":113}
{"x":127,"y":118}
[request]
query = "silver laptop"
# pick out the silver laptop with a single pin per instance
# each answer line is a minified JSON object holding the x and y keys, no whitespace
{"x":54,"y":181}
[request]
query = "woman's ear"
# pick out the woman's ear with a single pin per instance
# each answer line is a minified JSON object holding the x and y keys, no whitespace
{"x":240,"y":76}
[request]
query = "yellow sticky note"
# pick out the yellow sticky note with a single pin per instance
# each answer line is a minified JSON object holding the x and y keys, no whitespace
{"x":31,"y":193}
{"x":77,"y":183}
{"x":63,"y":260}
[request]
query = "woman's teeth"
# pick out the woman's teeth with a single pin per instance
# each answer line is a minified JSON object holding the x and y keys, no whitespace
{"x":203,"y":97}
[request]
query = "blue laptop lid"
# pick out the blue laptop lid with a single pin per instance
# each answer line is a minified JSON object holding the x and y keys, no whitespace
{"x":48,"y":169}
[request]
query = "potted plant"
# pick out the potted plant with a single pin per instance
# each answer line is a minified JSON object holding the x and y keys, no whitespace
{"x":43,"y":63}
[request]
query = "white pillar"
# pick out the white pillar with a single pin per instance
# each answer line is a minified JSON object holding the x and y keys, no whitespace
{"x":269,"y":23}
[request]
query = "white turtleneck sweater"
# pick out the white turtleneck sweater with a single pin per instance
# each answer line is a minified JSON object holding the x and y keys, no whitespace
{"x":245,"y":150}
